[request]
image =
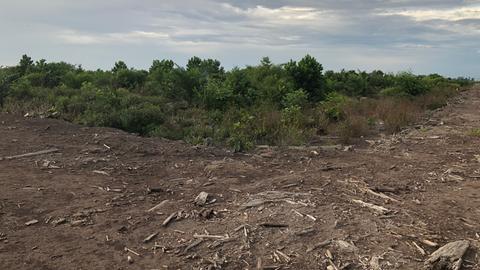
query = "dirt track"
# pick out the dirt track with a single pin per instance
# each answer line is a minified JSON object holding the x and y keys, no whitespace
{"x":91,"y":199}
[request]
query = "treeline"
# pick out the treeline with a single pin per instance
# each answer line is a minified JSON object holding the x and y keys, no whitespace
{"x":274,"y":104}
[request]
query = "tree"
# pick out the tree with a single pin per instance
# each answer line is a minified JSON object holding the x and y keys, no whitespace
{"x":119,"y":65}
{"x":25,"y":64}
{"x":307,"y":75}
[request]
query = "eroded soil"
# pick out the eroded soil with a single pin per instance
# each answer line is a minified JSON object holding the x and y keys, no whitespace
{"x":269,"y":209}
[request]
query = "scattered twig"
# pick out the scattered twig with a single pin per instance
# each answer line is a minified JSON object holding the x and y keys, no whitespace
{"x":31,"y":222}
{"x":381,"y":195}
{"x":101,"y":172}
{"x":193,"y":245}
{"x":210,"y":236}
{"x":419,"y":248}
{"x":169,"y":219}
{"x":132,"y":251}
{"x":380,"y":209}
{"x":429,"y":243}
{"x":319,"y":245}
{"x":150,"y":237}
{"x":158,"y":206}
{"x":273,"y":225}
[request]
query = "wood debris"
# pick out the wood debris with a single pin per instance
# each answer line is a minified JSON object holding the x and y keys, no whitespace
{"x":448,"y":257}
{"x":150,"y":237}
{"x":379,"y":209}
{"x":169,"y":219}
{"x":158,"y":206}
{"x":101,"y":172}
{"x":43,"y":152}
{"x":273,"y":225}
{"x":319,"y":245}
{"x":380,"y":195}
{"x":31,"y":222}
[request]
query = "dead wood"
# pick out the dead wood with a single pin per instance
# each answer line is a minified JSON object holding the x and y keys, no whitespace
{"x":379,"y":209}
{"x":158,"y":206}
{"x":448,"y":257}
{"x":43,"y":152}
{"x":169,"y":219}
{"x":319,"y":245}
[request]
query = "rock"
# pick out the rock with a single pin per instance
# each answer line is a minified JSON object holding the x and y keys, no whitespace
{"x":130,"y":259}
{"x":346,"y":246}
{"x":448,"y":257}
{"x":202,"y":198}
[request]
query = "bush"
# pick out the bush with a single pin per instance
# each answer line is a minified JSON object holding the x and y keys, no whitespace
{"x":334,"y":105}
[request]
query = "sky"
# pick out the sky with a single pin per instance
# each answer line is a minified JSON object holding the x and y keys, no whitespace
{"x":428,"y":36}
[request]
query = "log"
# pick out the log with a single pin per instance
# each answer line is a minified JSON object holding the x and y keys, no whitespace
{"x":448,"y":257}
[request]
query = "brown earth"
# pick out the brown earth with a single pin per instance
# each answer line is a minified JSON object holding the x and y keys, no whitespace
{"x":91,"y":199}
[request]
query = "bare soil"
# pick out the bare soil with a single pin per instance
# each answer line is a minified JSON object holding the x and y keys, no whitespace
{"x":269,"y":209}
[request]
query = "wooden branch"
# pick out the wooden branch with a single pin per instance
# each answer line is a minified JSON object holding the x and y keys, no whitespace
{"x":43,"y":152}
{"x":380,"y":195}
{"x":380,"y":209}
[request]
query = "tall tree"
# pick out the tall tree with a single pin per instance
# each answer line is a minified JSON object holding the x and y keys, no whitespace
{"x":307,"y":75}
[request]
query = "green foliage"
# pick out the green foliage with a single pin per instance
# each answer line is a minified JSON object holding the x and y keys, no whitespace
{"x":475,"y":132}
{"x":295,"y":98}
{"x":333,"y":106}
{"x":307,"y":75}
{"x":204,"y":104}
{"x":411,"y":84}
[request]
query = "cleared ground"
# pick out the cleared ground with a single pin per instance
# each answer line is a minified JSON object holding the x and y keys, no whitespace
{"x":86,"y":205}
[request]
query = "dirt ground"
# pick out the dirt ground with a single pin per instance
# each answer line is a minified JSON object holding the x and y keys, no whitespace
{"x":86,"y":205}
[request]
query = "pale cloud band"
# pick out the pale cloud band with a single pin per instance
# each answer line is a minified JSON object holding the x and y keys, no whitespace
{"x":428,"y":36}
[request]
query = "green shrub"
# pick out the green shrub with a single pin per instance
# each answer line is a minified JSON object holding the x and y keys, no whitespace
{"x":333,"y":106}
{"x":475,"y":132}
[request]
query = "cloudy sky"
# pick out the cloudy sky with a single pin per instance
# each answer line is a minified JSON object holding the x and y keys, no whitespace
{"x":427,"y":36}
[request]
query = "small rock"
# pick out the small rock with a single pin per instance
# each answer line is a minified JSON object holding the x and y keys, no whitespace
{"x":202,"y":198}
{"x":346,"y":246}
{"x":130,"y":259}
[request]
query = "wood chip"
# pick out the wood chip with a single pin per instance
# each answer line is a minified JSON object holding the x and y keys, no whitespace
{"x":101,"y":172}
{"x":31,"y":222}
{"x":429,"y":243}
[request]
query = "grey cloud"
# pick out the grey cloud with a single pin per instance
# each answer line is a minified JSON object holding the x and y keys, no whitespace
{"x":390,"y":35}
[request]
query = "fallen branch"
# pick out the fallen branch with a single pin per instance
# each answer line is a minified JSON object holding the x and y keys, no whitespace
{"x":43,"y":152}
{"x":273,"y":225}
{"x":319,"y":245}
{"x":169,"y":219}
{"x":210,"y":236}
{"x":150,"y":237}
{"x":380,"y":209}
{"x":380,"y":195}
{"x":158,"y":206}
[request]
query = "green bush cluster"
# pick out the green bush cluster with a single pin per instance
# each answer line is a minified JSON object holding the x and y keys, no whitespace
{"x":203,"y":103}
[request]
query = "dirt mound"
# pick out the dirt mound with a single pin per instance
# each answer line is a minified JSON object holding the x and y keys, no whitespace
{"x":105,"y":199}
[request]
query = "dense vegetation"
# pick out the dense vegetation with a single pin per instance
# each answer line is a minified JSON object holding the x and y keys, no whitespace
{"x":201,"y":103}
